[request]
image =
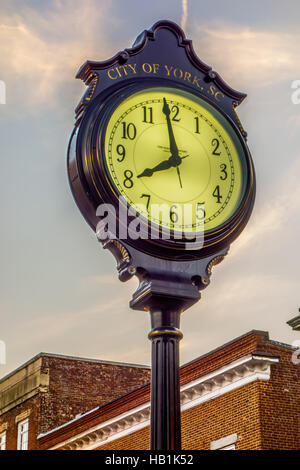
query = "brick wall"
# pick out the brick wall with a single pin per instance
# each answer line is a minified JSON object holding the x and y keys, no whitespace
{"x":235,"y":412}
{"x":75,"y":386}
{"x":79,"y":386}
{"x":136,"y":441}
{"x":280,"y":403}
{"x":10,"y":420}
{"x":107,"y":412}
{"x":265,"y":415}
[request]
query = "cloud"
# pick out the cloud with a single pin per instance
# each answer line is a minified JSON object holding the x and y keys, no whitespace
{"x":104,"y":279}
{"x":184,"y":14}
{"x":271,"y":217}
{"x":40,"y":51}
{"x":293,"y":123}
{"x":88,"y":331}
{"x":241,"y":54}
{"x":57,"y":325}
{"x":236,"y":304}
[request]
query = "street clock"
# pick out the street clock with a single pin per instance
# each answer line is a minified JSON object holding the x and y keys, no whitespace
{"x":159,"y":167}
{"x":159,"y":128}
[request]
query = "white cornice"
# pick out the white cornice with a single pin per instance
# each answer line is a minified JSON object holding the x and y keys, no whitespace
{"x":230,"y":377}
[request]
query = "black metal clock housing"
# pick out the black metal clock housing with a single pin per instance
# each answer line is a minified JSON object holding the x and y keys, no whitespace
{"x":160,"y":59}
{"x":161,"y":82}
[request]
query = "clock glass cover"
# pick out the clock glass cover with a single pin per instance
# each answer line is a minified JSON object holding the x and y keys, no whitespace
{"x":175,"y":159}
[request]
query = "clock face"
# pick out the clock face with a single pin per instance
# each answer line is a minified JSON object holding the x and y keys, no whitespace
{"x":175,"y":159}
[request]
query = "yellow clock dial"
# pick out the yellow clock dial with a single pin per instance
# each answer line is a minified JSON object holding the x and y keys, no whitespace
{"x":175,"y":159}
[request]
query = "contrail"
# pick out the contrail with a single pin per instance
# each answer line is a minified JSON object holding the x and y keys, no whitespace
{"x":184,"y":14}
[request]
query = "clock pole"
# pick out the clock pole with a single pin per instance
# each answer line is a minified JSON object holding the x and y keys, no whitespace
{"x":166,"y":289}
{"x":165,"y":389}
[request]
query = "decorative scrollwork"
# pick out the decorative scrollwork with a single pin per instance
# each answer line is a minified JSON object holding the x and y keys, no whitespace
{"x":92,"y":83}
{"x":92,"y":87}
{"x":213,"y":263}
{"x":124,"y":253}
{"x":121,"y":254}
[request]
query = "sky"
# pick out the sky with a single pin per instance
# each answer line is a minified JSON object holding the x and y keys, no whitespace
{"x":59,"y":291}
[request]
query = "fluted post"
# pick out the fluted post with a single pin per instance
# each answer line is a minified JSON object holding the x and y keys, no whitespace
{"x":165,"y":388}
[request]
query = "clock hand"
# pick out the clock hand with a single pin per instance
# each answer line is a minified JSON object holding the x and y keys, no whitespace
{"x":173,"y":146}
{"x":178,"y":173}
{"x":164,"y":165}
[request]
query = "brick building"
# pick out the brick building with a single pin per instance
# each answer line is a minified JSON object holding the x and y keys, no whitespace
{"x":51,"y":389}
{"x":243,"y":395}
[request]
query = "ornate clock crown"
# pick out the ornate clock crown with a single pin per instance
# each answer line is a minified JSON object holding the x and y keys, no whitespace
{"x":160,"y":52}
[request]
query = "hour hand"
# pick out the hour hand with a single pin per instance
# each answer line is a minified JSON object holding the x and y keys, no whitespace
{"x":164,"y":165}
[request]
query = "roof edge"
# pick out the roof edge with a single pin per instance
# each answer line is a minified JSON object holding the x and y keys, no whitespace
{"x":228,"y":343}
{"x":72,"y":358}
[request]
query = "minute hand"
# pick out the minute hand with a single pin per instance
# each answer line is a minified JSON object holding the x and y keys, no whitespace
{"x":173,"y":146}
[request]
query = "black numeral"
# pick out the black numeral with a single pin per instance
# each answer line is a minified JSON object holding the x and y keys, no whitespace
{"x":128,"y":183}
{"x":129,"y":131}
{"x":223,"y":170}
{"x":215,"y":143}
{"x":175,"y":110}
{"x":121,"y":151}
{"x":148,"y":199}
{"x":217,"y":194}
{"x":197,"y":125}
{"x":173,"y":215}
{"x":148,"y":115}
{"x":200,"y":212}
